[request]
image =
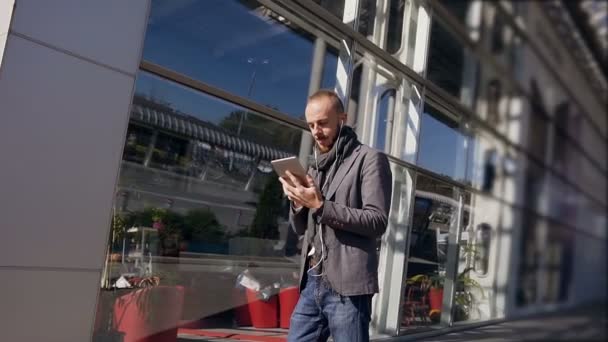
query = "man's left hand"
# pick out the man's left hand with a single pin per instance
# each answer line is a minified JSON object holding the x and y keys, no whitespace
{"x":305,"y":193}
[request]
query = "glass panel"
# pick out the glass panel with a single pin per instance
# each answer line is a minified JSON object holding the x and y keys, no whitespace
{"x":499,"y":36}
{"x":532,"y":242}
{"x":385,"y":112}
{"x":266,"y":57}
{"x":468,"y":13}
{"x":557,"y":264}
{"x":378,"y":103}
{"x":367,"y":18}
{"x":538,"y":131}
{"x":395,"y":25}
{"x":401,"y":24}
{"x":200,"y":221}
{"x":493,"y":101}
{"x":335,"y":7}
{"x":443,"y":148}
{"x":434,"y":214}
{"x":451,"y":66}
{"x":592,"y":143}
{"x":485,"y":163}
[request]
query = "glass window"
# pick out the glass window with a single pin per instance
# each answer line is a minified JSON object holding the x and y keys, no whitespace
{"x":378,"y":103}
{"x":530,"y":264}
{"x":443,"y":147}
{"x":200,"y":230}
{"x":394,"y":34}
{"x":485,"y":162}
{"x":538,"y":127}
{"x":397,"y":31}
{"x":266,"y":57}
{"x":384,"y":114}
{"x":335,"y":7}
{"x":451,"y":66}
{"x":367,"y":18}
{"x":591,"y":142}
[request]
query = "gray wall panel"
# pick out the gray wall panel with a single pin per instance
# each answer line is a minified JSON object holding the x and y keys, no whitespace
{"x":105,"y":31}
{"x":47,"y":305}
{"x":66,"y":85}
{"x":62,"y":134}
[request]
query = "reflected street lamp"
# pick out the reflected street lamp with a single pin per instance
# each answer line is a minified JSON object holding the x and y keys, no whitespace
{"x":255,"y":63}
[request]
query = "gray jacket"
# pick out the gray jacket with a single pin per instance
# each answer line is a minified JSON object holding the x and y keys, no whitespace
{"x":354,"y":215}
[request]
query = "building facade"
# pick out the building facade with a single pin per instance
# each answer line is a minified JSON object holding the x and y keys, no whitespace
{"x":138,"y":137}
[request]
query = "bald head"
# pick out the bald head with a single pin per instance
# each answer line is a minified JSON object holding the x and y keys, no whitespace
{"x":328,"y":95}
{"x":324,"y":114}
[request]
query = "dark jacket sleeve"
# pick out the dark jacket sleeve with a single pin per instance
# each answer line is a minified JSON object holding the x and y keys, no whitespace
{"x":298,"y":219}
{"x":376,"y":187}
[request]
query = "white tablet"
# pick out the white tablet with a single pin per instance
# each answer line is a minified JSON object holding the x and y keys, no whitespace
{"x":291,"y":164}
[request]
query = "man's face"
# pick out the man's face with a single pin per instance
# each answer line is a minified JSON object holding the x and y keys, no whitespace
{"x":323,"y":122}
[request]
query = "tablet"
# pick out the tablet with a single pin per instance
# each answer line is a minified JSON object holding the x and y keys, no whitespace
{"x":291,"y":164}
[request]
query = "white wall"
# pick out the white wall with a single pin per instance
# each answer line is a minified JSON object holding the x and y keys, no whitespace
{"x":66,"y":85}
{"x":6,"y":13}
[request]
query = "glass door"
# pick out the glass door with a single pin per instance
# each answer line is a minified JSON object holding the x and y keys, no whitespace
{"x":433,"y":254}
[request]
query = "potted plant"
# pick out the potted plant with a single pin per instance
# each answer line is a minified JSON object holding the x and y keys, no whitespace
{"x":435,"y":294}
{"x":158,"y":216}
{"x":152,"y":311}
{"x":463,"y":297}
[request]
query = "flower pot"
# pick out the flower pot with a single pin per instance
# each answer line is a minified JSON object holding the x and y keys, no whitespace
{"x":288,"y":298}
{"x":149,"y":314}
{"x":241,"y":308}
{"x":435,"y":298}
{"x":263,"y":313}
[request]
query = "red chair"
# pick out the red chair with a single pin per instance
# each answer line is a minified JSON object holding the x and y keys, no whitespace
{"x":415,"y":307}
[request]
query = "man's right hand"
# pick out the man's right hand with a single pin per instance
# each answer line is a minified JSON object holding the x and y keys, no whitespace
{"x":290,"y":181}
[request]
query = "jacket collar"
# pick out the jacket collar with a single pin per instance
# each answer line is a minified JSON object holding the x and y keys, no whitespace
{"x":343,"y":169}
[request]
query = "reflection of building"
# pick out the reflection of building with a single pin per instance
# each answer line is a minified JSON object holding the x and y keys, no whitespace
{"x":492,"y":113}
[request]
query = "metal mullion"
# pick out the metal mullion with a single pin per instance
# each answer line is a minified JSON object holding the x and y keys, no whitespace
{"x":219,"y":93}
{"x":451,"y":272}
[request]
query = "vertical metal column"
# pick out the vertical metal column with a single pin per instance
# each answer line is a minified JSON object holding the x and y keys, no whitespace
{"x":451,"y":273}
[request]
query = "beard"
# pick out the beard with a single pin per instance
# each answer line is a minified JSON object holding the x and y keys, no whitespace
{"x":326,"y":145}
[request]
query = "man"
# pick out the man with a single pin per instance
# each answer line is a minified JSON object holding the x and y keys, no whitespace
{"x":341,"y":208}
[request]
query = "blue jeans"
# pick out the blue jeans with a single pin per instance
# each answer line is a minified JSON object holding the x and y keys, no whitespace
{"x":321,"y":312}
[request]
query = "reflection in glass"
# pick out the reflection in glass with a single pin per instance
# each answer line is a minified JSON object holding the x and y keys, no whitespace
{"x":335,"y":7}
{"x":450,"y":66}
{"x":200,"y":225}
{"x":435,"y":212}
{"x":443,"y":148}
{"x":384,"y":116}
{"x":265,"y":57}
{"x":395,"y":25}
